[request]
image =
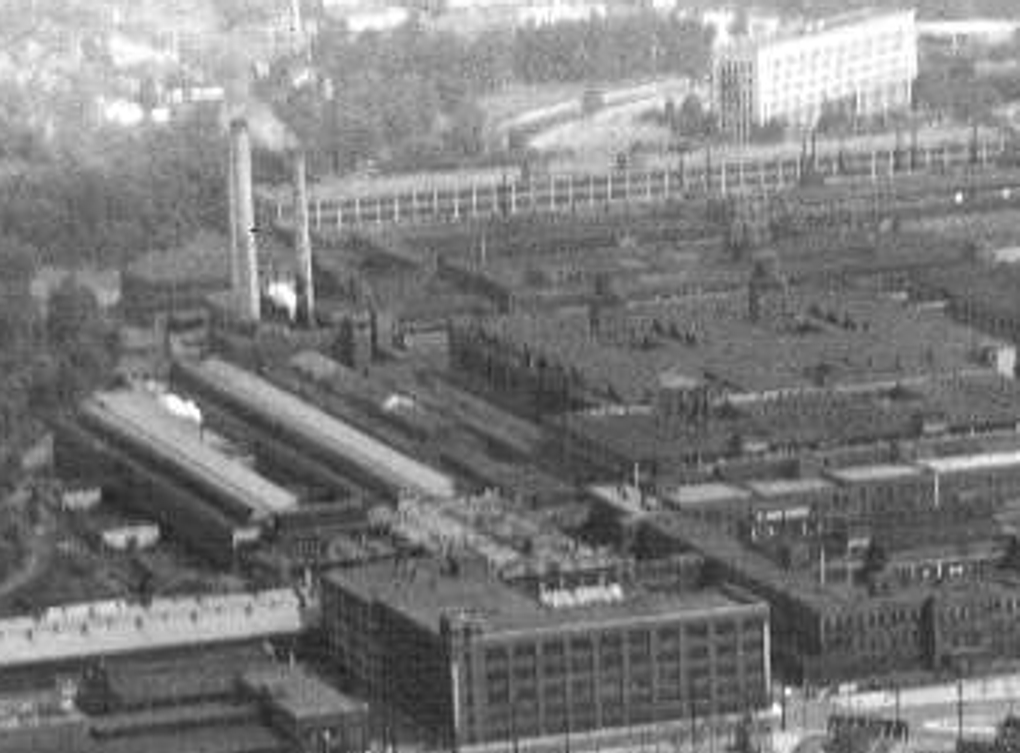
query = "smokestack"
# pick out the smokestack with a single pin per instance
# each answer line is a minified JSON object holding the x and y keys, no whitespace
{"x":244,"y":254}
{"x":305,"y":287}
{"x":235,"y":282}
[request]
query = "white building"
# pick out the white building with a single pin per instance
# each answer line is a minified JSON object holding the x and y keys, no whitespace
{"x":864,"y":63}
{"x":970,"y":32}
{"x":475,"y":16}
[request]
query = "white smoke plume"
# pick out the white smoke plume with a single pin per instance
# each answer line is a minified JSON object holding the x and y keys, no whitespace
{"x":266,"y":128}
{"x":284,"y":296}
{"x":181,"y":407}
{"x":237,"y":68}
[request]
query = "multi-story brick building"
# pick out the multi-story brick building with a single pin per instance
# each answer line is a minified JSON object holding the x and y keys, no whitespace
{"x":475,"y":660}
{"x":940,"y":609}
{"x":863,"y":63}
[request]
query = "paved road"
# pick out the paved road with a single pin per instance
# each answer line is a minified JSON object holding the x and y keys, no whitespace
{"x":933,"y":712}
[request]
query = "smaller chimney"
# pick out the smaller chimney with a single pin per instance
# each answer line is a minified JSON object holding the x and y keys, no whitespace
{"x":305,"y":287}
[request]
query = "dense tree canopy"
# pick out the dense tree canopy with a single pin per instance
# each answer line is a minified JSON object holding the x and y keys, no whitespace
{"x":410,"y":96}
{"x":45,"y":366}
{"x":119,"y":194}
{"x":950,"y":86}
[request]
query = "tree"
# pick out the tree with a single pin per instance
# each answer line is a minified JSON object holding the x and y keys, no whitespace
{"x":772,"y":132}
{"x":875,"y":559}
{"x":692,"y":120}
{"x":17,"y":310}
{"x":465,"y":136}
{"x":1011,"y":559}
{"x":836,"y":118}
{"x":79,"y":340}
{"x":741,"y":24}
{"x":236,"y":13}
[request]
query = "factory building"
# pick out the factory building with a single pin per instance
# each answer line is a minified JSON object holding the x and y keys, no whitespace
{"x":836,"y":631}
{"x":307,"y":431}
{"x":929,"y":502}
{"x":861,"y":63}
{"x":171,"y":469}
{"x":476,"y":661}
{"x":216,"y":700}
{"x":870,"y":570}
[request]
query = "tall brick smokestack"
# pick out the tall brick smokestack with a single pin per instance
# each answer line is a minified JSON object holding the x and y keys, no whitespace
{"x":305,"y":287}
{"x":244,"y":251}
{"x":235,"y":282}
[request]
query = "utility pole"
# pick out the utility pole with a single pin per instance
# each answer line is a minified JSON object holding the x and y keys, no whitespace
{"x":959,"y":706}
{"x":782,"y":708}
{"x":515,"y":740}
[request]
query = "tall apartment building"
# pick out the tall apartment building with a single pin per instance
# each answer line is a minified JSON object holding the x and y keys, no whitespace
{"x":864,"y":63}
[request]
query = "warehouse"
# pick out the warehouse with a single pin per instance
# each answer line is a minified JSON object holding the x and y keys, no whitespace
{"x":171,"y":470}
{"x":327,"y":439}
{"x":476,"y":661}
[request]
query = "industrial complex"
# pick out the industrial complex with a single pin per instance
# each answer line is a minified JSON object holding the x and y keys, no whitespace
{"x":629,"y":473}
{"x":513,"y":460}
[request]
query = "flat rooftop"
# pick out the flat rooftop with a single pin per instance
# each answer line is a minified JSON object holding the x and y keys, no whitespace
{"x":299,"y":693}
{"x":216,"y":737}
{"x":772,"y":488}
{"x":251,"y":737}
{"x":690,"y":495}
{"x":623,"y":497}
{"x":865,"y":473}
{"x":425,"y":593}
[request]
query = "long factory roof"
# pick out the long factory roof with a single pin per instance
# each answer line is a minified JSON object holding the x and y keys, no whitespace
{"x":333,"y":435}
{"x":985,"y":461}
{"x":878,"y":472}
{"x":140,"y":418}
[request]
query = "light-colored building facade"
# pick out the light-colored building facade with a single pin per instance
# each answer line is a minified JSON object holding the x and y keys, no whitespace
{"x":864,"y":63}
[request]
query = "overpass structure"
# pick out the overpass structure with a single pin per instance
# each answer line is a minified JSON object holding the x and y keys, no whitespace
{"x":465,"y":197}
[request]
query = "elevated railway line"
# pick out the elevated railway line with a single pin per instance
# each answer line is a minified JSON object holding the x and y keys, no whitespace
{"x":508,"y":192}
